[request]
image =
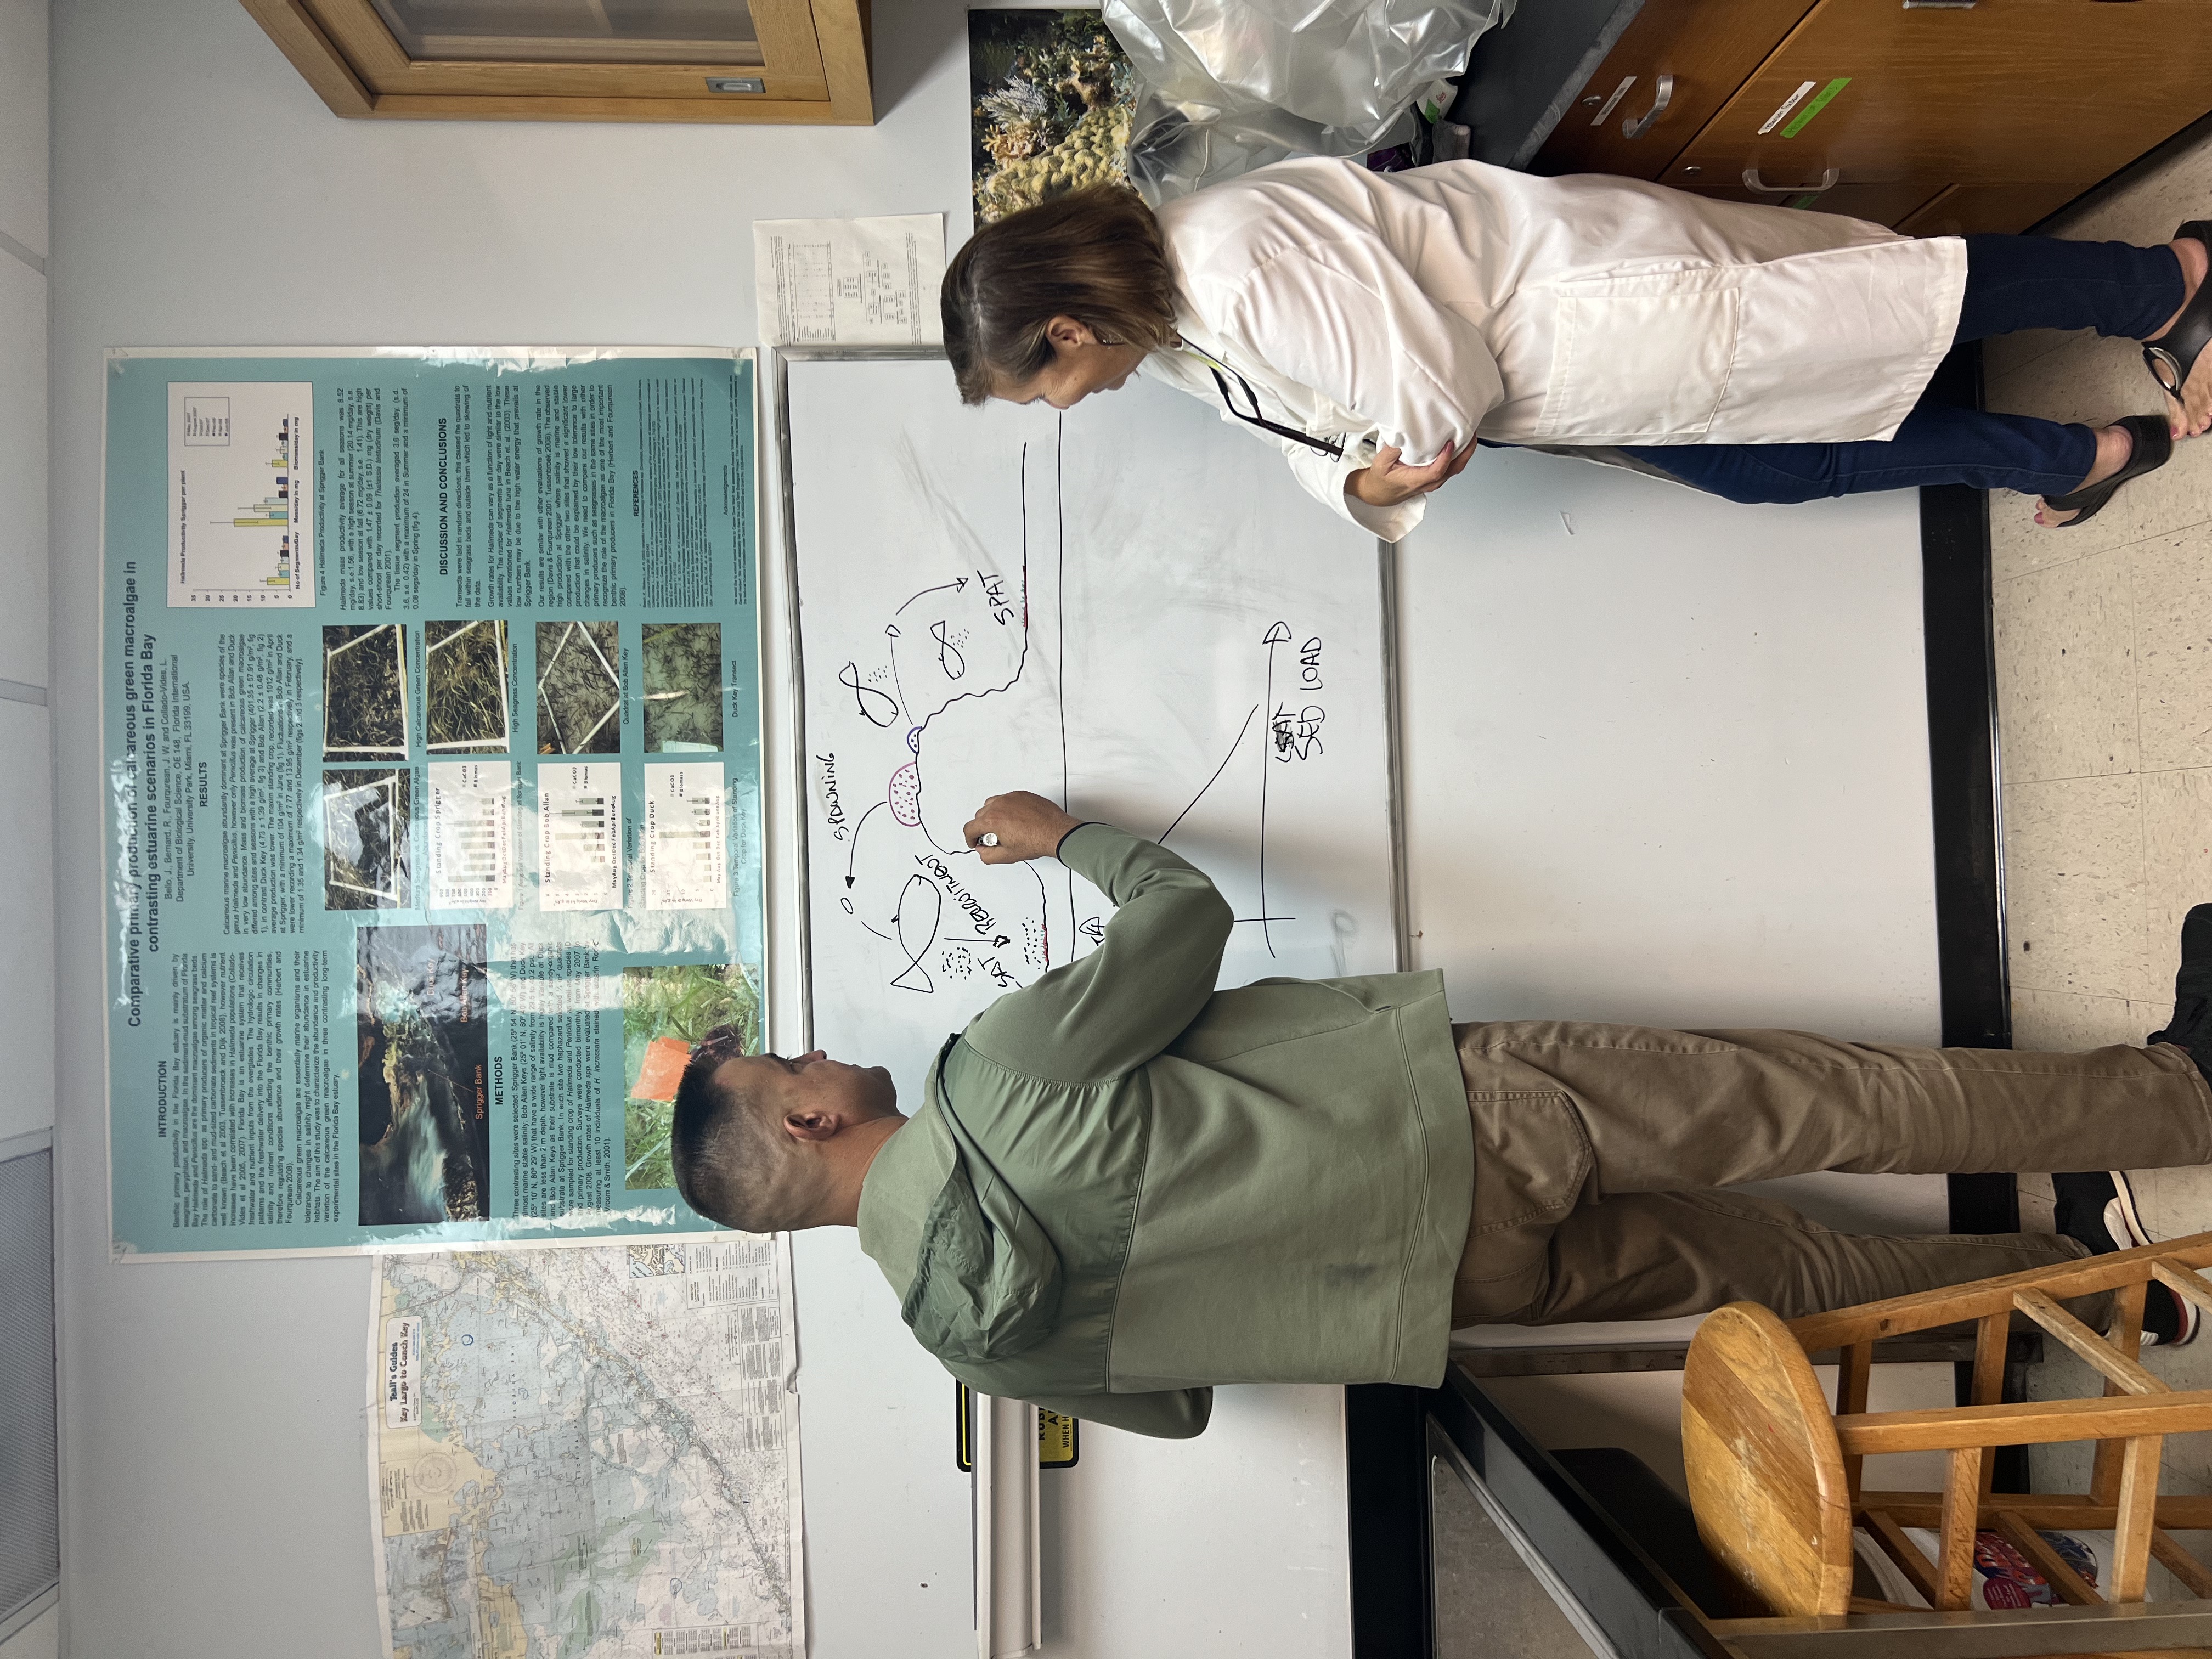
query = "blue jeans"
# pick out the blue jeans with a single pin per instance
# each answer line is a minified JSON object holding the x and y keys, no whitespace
{"x":2013,"y":282}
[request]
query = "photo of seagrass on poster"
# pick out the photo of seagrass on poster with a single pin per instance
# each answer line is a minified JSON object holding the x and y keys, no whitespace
{"x":466,"y":697}
{"x":580,"y":688}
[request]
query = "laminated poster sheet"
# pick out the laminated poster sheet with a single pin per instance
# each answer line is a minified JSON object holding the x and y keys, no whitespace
{"x":430,"y":687}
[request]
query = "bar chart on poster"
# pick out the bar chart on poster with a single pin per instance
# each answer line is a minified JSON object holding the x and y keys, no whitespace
{"x":240,"y":475}
{"x":1100,"y":606}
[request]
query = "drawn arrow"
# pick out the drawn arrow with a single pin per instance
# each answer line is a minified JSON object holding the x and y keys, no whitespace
{"x":1278,"y":635}
{"x":852,"y":851}
{"x":956,"y":584}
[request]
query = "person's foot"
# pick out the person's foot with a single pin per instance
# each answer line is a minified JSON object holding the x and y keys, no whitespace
{"x":2191,"y":413}
{"x":2190,"y":1025}
{"x":2115,"y":445}
{"x":2098,"y":1207}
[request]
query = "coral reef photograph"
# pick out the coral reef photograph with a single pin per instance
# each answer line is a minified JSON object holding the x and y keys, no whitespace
{"x":1052,"y":100}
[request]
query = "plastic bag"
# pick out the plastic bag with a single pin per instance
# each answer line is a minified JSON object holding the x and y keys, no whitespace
{"x":1225,"y":86}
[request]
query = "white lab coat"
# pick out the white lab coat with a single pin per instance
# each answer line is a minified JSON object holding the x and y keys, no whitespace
{"x":1411,"y":309}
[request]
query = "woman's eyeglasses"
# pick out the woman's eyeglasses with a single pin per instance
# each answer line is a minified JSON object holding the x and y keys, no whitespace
{"x":1332,"y":447}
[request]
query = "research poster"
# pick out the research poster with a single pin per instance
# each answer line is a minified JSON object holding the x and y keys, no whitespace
{"x":430,"y":686}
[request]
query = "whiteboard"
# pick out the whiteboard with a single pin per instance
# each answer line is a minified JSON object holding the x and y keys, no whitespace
{"x":1110,"y":606}
{"x":1145,"y":554}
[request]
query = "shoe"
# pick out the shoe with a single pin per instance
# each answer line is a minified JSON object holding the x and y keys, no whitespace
{"x":2174,"y":353}
{"x":2151,"y":449}
{"x":2191,"y":1027}
{"x":2098,"y":1207}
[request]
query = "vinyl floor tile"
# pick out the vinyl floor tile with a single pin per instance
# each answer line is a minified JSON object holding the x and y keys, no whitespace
{"x":2170,"y":578}
{"x":2066,"y":1021}
{"x":2074,"y":885}
{"x":2066,"y":682}
{"x":2177,"y":815}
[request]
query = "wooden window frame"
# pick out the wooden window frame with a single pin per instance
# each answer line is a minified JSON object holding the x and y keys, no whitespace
{"x":815,"y":69}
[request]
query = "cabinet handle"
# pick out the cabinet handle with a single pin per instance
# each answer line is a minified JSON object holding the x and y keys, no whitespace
{"x":1939,"y":5}
{"x":1662,"y":90}
{"x":1829,"y":178}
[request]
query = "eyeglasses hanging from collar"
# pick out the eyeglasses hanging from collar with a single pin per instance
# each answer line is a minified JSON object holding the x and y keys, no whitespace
{"x":1332,"y":447}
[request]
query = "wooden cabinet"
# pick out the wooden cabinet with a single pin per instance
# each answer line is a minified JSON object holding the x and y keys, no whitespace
{"x":784,"y":61}
{"x":1932,"y":117}
{"x":1704,"y":49}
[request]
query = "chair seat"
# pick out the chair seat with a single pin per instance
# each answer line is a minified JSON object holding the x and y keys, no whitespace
{"x":1765,"y":1470}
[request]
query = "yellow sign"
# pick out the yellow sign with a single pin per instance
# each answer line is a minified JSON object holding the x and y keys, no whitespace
{"x":1059,"y":1443}
{"x":1056,"y":1448}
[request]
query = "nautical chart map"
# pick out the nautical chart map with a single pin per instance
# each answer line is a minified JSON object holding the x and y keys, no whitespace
{"x":587,"y":1452}
{"x":1125,"y":608}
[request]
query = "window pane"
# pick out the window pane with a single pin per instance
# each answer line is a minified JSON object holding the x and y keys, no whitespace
{"x":30,"y":1514}
{"x":1488,"y":1603}
{"x":574,"y":31}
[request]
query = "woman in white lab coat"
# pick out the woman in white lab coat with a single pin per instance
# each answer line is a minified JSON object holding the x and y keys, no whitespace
{"x":1374,"y":326}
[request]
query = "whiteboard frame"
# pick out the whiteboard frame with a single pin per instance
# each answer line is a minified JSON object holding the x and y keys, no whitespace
{"x":777,"y":383}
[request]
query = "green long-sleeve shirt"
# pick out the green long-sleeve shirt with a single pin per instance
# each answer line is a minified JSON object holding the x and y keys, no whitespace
{"x":1123,"y":1186}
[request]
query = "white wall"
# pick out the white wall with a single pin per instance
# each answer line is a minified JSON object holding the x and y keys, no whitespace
{"x":27,"y":914}
{"x":26,"y":801}
{"x":39,"y":1639}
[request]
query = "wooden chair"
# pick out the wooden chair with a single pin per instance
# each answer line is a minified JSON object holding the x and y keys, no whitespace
{"x":1774,"y":1471}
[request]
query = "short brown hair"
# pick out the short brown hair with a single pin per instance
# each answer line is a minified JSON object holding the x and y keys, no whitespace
{"x":1095,"y":255}
{"x":731,"y":1166}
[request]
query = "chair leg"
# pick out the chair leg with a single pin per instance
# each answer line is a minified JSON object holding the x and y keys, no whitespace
{"x":1954,"y":1559}
{"x":2127,"y":1338}
{"x":1853,"y":1376}
{"x":1990,"y":1340}
{"x":2136,"y":1520}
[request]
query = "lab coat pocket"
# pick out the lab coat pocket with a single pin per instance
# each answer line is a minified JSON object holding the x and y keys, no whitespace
{"x":1640,"y":363}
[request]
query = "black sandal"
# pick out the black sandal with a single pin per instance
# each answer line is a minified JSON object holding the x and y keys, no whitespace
{"x":2154,"y":447}
{"x":2174,"y":353}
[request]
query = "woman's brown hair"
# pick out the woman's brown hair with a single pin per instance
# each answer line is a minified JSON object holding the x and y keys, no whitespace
{"x":1095,"y":255}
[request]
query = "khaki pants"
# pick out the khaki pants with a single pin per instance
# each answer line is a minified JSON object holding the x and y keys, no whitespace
{"x":1597,"y":1149}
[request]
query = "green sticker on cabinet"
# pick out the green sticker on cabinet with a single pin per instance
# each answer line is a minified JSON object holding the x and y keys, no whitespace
{"x":1820,"y":102}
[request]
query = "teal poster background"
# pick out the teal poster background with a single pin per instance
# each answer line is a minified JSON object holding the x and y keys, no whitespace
{"x":431,"y":706}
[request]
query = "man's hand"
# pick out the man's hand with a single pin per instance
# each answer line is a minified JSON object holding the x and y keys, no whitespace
{"x":1386,"y":483}
{"x":1022,"y":827}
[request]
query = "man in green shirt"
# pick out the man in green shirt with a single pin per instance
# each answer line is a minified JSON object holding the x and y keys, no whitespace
{"x":1121,"y":1187}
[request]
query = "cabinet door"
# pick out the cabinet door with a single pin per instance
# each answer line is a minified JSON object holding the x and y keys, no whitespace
{"x":1880,"y":204}
{"x":1998,"y":92}
{"x":619,"y":60}
{"x":1964,"y":210}
{"x":1707,"y":48}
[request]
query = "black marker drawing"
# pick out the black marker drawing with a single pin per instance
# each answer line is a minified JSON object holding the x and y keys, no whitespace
{"x":876,"y":708}
{"x":955,"y":584}
{"x":854,"y":851}
{"x":919,"y":909}
{"x":1163,"y":836}
{"x":952,"y":650}
{"x":948,"y":654}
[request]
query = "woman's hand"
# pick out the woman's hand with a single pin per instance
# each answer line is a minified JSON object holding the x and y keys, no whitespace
{"x":1025,"y":826}
{"x":1386,"y":483}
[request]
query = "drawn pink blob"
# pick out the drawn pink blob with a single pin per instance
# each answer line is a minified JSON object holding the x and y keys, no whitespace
{"x":906,"y":795}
